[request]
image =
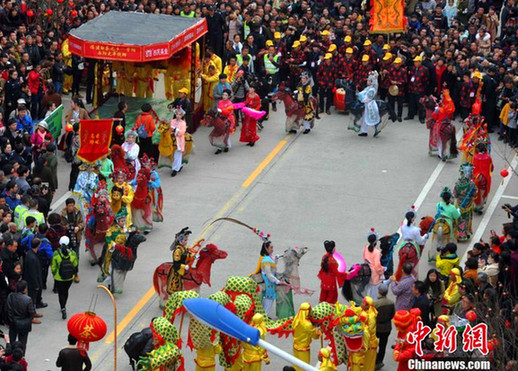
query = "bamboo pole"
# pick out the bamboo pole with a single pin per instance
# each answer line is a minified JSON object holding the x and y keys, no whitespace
{"x":114,"y":324}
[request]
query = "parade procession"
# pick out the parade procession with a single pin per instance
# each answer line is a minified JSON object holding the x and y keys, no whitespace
{"x":248,"y":185}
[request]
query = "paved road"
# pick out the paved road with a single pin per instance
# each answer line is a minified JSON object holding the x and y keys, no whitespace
{"x":329,"y":184}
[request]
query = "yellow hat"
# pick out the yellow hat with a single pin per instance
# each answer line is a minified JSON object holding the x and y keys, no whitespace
{"x":347,"y":39}
{"x":387,"y":57}
{"x":277,"y":35}
{"x":183,"y":90}
{"x":365,"y":58}
{"x":367,"y":43}
{"x":397,"y":60}
{"x":476,"y":75}
{"x":332,"y":48}
{"x":296,"y":44}
{"x":269,"y":43}
{"x":303,"y":38}
{"x":325,"y":33}
{"x":386,"y":47}
{"x":328,"y":56}
{"x":349,"y":50}
{"x":418,"y":59}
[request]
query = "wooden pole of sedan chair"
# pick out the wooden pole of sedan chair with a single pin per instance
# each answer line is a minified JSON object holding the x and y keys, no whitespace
{"x":99,"y":84}
{"x":114,"y":303}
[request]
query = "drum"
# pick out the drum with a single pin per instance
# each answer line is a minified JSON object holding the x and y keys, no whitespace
{"x":393,"y":90}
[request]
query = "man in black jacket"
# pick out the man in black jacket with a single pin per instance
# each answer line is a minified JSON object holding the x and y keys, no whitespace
{"x":32,"y":273}
{"x":9,"y":258}
{"x":20,"y":310}
{"x":386,"y":311}
{"x":421,"y":301}
{"x":431,"y":88}
{"x":71,"y":359}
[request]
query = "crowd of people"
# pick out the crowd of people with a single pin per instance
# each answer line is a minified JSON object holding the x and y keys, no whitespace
{"x":463,"y":51}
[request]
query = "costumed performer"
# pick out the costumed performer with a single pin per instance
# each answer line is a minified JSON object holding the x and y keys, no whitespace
{"x":98,"y":221}
{"x":412,"y":244}
{"x":165,"y":145}
{"x":446,"y":142}
{"x":178,"y":127}
{"x":465,"y":192}
{"x":452,"y":295}
{"x":305,"y":97}
{"x":249,"y":128}
{"x":126,"y":197}
{"x":445,"y":222}
{"x":371,"y":114}
{"x":370,"y":313}
{"x":226,"y":109}
{"x":183,"y":258}
{"x":405,"y":322}
{"x":141,"y":204}
{"x":156,"y":194}
{"x":482,"y":171}
{"x":325,"y":359}
{"x":303,"y":334}
{"x":86,"y":185}
{"x":106,"y":170}
{"x":131,"y":150}
{"x":115,"y":234}
{"x":372,"y":255}
{"x":123,"y":259}
{"x":329,"y":275}
{"x":254,"y":355}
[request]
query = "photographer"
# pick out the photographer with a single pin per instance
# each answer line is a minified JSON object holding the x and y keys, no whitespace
{"x":447,"y":259}
{"x":73,"y":221}
{"x":512,"y":211}
{"x":239,"y":90}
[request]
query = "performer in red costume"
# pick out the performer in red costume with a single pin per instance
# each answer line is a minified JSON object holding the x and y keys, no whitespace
{"x":482,"y":169}
{"x":405,"y":322}
{"x":249,"y":128}
{"x":329,"y":275}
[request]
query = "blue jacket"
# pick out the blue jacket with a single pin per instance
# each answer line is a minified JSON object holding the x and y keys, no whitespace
{"x":12,"y":202}
{"x":45,"y":249}
{"x":24,"y":124}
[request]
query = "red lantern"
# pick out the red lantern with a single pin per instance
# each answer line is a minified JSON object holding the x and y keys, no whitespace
{"x":71,"y":4}
{"x":73,"y":13}
{"x":49,"y":12}
{"x":471,"y":316}
{"x":30,"y":13}
{"x":119,"y":129}
{"x":60,"y":1}
{"x":86,"y":327}
{"x":504,"y":173}
{"x":69,"y":128}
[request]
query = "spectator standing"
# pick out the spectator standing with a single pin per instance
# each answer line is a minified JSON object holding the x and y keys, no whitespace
{"x":21,"y":312}
{"x":32,"y":274}
{"x":386,"y":311}
{"x":403,"y":288}
{"x":421,"y":301}
{"x":36,"y":87}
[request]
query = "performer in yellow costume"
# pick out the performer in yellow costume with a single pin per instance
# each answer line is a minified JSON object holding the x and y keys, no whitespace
{"x":126,"y":195}
{"x":303,"y":333}
{"x":356,"y":359}
{"x":182,"y":259}
{"x":253,"y":355}
{"x":206,"y":358}
{"x":210,"y":78}
{"x":67,"y":61}
{"x":144,"y":84}
{"x":326,"y":363}
{"x":125,"y":72}
{"x":370,"y":313}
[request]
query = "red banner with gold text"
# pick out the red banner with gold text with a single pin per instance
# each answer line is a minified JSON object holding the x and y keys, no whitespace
{"x":387,"y":16}
{"x":95,"y":137}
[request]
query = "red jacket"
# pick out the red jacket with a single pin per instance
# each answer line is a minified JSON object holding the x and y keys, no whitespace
{"x":329,"y":279}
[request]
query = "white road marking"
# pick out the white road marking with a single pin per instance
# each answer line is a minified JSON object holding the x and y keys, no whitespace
{"x":61,"y":200}
{"x":491,"y":208}
{"x":510,"y":197}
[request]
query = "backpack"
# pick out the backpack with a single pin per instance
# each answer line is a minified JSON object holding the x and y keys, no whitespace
{"x":66,"y":268}
{"x":141,"y":129}
{"x":135,"y":345}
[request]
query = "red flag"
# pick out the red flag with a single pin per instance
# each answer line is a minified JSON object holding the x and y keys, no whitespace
{"x":387,"y":16}
{"x":95,"y":137}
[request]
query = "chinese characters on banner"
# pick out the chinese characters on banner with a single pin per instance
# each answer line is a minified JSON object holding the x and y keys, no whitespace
{"x":94,"y":137}
{"x":473,"y":338}
{"x":103,"y":51}
{"x":387,"y":16}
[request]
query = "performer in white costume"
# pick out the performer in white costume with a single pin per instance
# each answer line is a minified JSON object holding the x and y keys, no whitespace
{"x":371,"y":115}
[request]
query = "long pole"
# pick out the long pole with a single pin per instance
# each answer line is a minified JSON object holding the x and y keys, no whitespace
{"x":114,"y":324}
{"x":286,"y":356}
